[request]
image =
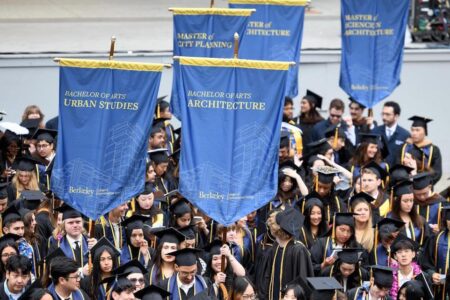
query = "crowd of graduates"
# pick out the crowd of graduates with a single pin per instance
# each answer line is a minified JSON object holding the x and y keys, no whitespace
{"x":355,"y":216}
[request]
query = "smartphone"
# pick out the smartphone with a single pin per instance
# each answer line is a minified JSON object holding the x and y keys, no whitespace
{"x":197,"y":219}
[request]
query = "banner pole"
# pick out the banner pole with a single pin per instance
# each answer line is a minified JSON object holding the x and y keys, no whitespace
{"x":370,"y":113}
{"x":236,"y":45}
{"x":222,"y":286}
{"x":211,"y":5}
{"x":111,"y":48}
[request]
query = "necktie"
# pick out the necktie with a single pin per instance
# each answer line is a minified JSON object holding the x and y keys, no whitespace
{"x":77,"y":251}
{"x":389,"y":133}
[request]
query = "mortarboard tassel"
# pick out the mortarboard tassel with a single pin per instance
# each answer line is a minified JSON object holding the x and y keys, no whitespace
{"x":158,"y":113}
{"x":336,"y":136}
{"x":316,"y":183}
{"x":333,"y":230}
{"x":423,"y":162}
{"x":133,"y":205}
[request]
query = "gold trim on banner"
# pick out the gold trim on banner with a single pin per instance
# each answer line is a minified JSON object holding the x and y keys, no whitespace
{"x":109,"y":64}
{"x":237,"y":63}
{"x":271,"y":2}
{"x":212,"y":11}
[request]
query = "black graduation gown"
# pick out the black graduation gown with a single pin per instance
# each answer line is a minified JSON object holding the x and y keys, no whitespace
{"x":103,"y":228}
{"x":355,"y":280}
{"x":296,"y":262}
{"x":262,"y":261}
{"x":431,"y":209}
{"x":356,"y":294}
{"x":44,"y":226}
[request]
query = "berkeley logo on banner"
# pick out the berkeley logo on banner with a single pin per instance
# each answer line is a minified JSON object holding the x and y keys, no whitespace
{"x":105,"y":117}
{"x":373,"y":35}
{"x":232,"y":112}
{"x":274,"y":32}
{"x":204,"y":32}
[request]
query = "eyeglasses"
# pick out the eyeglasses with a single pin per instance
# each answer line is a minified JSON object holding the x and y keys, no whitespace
{"x":77,"y":278}
{"x":42,"y":146}
{"x":137,"y":280}
{"x":249,"y":297}
{"x":186,"y":274}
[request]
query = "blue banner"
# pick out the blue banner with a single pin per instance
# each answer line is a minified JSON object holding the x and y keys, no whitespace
{"x":204,"y":32}
{"x":373,"y":35}
{"x":105,"y":116}
{"x":274,"y":32}
{"x":232,"y":111}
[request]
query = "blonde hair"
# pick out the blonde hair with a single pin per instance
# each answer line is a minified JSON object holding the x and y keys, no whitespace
{"x":367,"y":238}
{"x":32,"y":185}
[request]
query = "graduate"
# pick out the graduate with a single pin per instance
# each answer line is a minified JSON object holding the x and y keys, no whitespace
{"x":315,"y":225}
{"x":136,"y":246}
{"x":110,"y":226}
{"x":105,"y":258}
{"x":381,"y":280}
{"x":323,"y":288}
{"x":121,"y":287}
{"x":145,"y":205}
{"x":135,"y":273}
{"x":347,"y":270}
{"x":428,"y":203}
{"x":360,"y":204}
{"x":185,"y":283}
{"x":163,"y":264}
{"x":25,"y":178}
{"x":341,"y":235}
{"x":162,"y":117}
{"x":74,"y":243}
{"x":324,"y":186}
{"x":373,"y":177}
{"x":163,"y":181}
{"x":309,"y":116}
{"x":435,"y":256}
{"x":46,"y":151}
{"x":386,"y":231}
{"x":403,"y":209}
{"x":419,"y":152}
{"x":288,"y":258}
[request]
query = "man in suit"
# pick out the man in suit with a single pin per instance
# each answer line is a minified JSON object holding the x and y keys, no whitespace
{"x":394,"y":134}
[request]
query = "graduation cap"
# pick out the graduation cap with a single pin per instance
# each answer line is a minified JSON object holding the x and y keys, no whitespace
{"x":403,"y":242}
{"x":382,"y":275}
{"x":214,"y":247}
{"x":159,"y":155}
{"x":68,"y":212}
{"x":403,"y":188}
{"x":344,"y":218}
{"x":288,"y":164}
{"x":9,"y":238}
{"x":32,"y":199}
{"x":180,"y":207}
{"x":284,"y":139}
{"x":202,"y":296}
{"x":47,"y":261}
{"x":158,"y":124}
{"x":114,"y":280}
{"x":350,"y":255}
{"x":188,"y":232}
{"x":422,"y":180}
{"x":152,"y":292}
{"x":420,"y":122}
{"x":290,"y":220}
{"x":324,"y":286}
{"x":149,"y":188}
{"x":135,"y":222}
{"x":413,"y":290}
{"x":36,"y":285}
{"x":101,"y":245}
{"x":30,"y":124}
{"x":369,"y":138}
{"x":161,"y":105}
{"x":11,"y":214}
{"x":326,"y":173}
{"x":356,"y":101}
{"x":318,"y":147}
{"x":399,"y":173}
{"x":185,"y":257}
{"x":426,"y":285}
{"x":361,"y":195}
{"x":4,"y":190}
{"x":133,"y":266}
{"x":386,"y":227}
{"x":317,"y":99}
{"x":169,"y":235}
{"x":377,"y":169}
{"x":27,"y":164}
{"x":43,"y":134}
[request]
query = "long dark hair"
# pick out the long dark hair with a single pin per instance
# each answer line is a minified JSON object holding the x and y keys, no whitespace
{"x":294,"y":191}
{"x":96,"y":270}
{"x":158,"y":261}
{"x":417,"y":219}
{"x":312,"y":116}
{"x":209,"y":272}
{"x":240,"y":284}
{"x":359,"y":159}
{"x":30,"y":236}
{"x":323,"y":226}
